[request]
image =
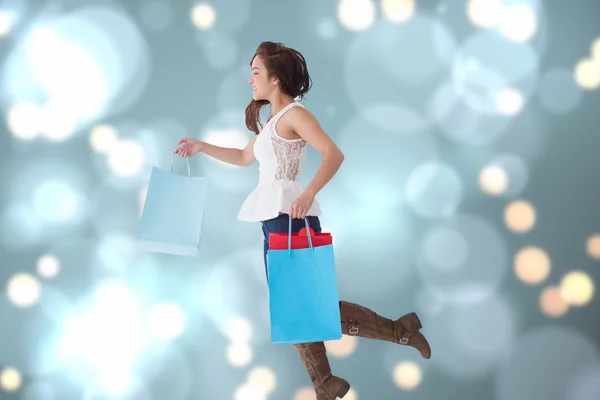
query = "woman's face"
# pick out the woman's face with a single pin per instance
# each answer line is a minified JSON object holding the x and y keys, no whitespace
{"x":262,"y":86}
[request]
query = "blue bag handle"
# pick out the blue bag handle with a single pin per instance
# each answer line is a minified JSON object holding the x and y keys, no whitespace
{"x":188,"y":165}
{"x":290,"y":234}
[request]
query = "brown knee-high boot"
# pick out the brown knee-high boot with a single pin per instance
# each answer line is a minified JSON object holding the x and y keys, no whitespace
{"x":363,"y":322}
{"x":327,"y":386}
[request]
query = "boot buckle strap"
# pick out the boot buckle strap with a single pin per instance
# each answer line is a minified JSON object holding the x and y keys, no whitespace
{"x":405,"y":338}
{"x":352,"y":328}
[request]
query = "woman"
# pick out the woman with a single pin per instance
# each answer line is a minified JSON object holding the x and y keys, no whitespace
{"x":279,"y":76}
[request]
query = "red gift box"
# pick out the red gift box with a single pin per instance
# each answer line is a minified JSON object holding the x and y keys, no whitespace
{"x":279,"y":240}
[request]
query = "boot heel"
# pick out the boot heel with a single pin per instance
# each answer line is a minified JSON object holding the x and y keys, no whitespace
{"x":343,"y":391}
{"x":416,"y":322}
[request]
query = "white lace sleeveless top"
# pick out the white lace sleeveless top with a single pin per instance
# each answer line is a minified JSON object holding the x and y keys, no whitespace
{"x":280,"y":163}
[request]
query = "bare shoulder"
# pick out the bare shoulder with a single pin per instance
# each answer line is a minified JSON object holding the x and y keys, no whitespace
{"x":294,"y":122}
{"x":300,"y":115}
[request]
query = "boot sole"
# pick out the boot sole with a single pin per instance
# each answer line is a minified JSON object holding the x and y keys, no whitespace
{"x":343,"y":391}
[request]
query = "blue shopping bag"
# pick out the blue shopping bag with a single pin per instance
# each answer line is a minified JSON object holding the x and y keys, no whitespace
{"x":303,"y":294}
{"x":171,"y":220}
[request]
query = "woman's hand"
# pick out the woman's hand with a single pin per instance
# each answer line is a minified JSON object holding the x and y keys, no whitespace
{"x":300,"y":207}
{"x":188,"y":147}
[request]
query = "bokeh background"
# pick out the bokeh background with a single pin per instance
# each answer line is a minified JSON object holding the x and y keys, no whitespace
{"x":469,"y":193}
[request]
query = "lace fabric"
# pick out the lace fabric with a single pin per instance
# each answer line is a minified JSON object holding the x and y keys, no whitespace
{"x":288,"y":154}
{"x":280,"y":165}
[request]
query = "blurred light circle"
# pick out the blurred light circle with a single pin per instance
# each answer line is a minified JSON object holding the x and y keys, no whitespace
{"x":226,"y":138}
{"x":519,"y":22}
{"x":409,"y":143}
{"x":552,"y":302}
{"x":558,"y":91}
{"x":203,"y":16}
{"x":343,"y":347}
{"x":460,"y":121}
{"x":220,"y":51}
{"x":103,"y":138}
{"x":408,"y":55}
{"x":445,"y":248}
{"x":525,"y":140}
{"x":408,"y":375}
{"x":428,"y":302}
{"x":383,"y":240}
{"x":398,"y":10}
{"x":587,"y":74}
{"x":156,"y":14}
{"x":239,"y":330}
{"x":38,"y":391}
{"x":493,"y":180}
{"x":23,"y":290}
{"x":35,"y":330}
{"x":327,"y":28}
{"x":58,"y":122}
{"x":262,"y":378}
{"x":85,"y":64}
{"x":351,"y":395}
{"x":249,"y":392}
{"x":24,"y":120}
{"x":126,"y":158}
{"x":20,"y":226}
{"x":239,"y":354}
{"x":227,"y":16}
{"x":520,"y":216}
{"x":225,"y":298}
{"x":10,"y":379}
{"x":55,"y":201}
{"x":48,"y":266}
{"x":305,"y":394}
{"x":434,"y":190}
{"x":593,"y":246}
{"x":228,"y":129}
{"x":532,"y":265}
{"x":356,"y":15}
{"x":116,"y":251}
{"x":463,"y":279}
{"x":595,"y":50}
{"x":475,"y":339}
{"x":585,"y":385}
{"x":484,"y":13}
{"x":175,"y":382}
{"x":234,"y":92}
{"x":487,"y":64}
{"x":103,"y":336}
{"x":577,"y":288}
{"x":154,"y":138}
{"x":538,"y":368}
{"x":517,"y":174}
{"x":6,"y":22}
{"x":167,"y":320}
{"x":509,"y":102}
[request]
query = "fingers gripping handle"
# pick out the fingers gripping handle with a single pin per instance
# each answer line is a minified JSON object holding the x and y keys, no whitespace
{"x":188,"y":165}
{"x":308,"y":231}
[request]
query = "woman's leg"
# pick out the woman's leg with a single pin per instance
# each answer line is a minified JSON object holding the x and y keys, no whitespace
{"x":314,"y":355}
{"x":361,"y":321}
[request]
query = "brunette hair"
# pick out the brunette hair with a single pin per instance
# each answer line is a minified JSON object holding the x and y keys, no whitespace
{"x":289,"y":66}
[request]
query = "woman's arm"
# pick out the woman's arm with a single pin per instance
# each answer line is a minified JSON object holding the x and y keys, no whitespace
{"x":240,"y":157}
{"x":306,"y":126}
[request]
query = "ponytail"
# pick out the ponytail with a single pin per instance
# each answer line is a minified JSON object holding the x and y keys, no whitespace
{"x":253,"y":115}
